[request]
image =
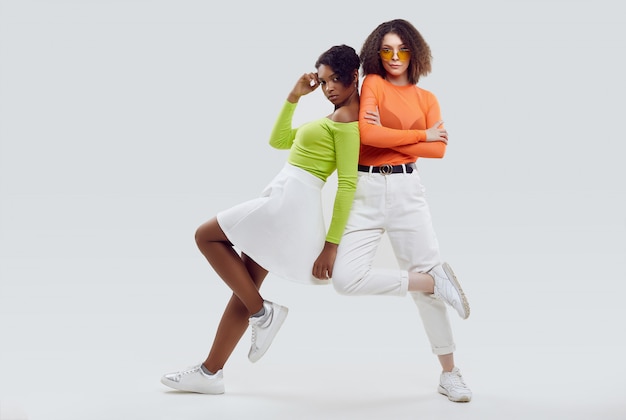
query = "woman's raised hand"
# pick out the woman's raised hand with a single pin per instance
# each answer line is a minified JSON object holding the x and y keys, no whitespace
{"x":307,"y":83}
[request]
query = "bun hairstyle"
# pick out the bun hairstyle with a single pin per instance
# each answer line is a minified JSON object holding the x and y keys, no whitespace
{"x":343,"y":59}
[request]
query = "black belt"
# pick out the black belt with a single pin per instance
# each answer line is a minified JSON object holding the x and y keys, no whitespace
{"x":388,"y":169}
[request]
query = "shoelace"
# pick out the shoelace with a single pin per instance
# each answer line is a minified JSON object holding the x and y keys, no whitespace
{"x":253,"y":326}
{"x":256,"y":323}
{"x":192,"y":369}
{"x":457,"y":380}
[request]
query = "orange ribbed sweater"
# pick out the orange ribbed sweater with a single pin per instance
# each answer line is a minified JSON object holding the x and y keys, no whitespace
{"x":406,"y":112}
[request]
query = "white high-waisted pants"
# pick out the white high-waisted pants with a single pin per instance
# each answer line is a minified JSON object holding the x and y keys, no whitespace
{"x":395,"y":204}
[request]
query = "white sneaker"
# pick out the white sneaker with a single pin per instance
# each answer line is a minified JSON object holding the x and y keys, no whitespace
{"x":452,"y":385}
{"x":195,"y":380}
{"x":264,"y":329}
{"x":447,"y":287}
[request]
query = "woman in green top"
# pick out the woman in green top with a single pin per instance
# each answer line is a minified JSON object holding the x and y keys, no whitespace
{"x":283,"y":231}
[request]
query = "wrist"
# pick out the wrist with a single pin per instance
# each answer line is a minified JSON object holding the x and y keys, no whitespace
{"x":293,"y":97}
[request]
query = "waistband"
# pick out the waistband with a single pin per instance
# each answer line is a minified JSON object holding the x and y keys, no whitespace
{"x":405,"y":168}
{"x":302,"y":175}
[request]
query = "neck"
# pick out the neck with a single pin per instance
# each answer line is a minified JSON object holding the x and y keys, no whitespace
{"x":349,"y":109}
{"x":401,"y":80}
{"x":352,"y":99}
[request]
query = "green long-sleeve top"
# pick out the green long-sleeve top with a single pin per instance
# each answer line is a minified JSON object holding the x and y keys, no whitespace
{"x":320,"y":147}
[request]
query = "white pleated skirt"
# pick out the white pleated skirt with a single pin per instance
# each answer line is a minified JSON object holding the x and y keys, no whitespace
{"x":283,"y":230}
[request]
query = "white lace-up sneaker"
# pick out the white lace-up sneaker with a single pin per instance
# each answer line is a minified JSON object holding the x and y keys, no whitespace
{"x":447,"y":287}
{"x":195,"y":380}
{"x":451,"y":384}
{"x":264,"y":329}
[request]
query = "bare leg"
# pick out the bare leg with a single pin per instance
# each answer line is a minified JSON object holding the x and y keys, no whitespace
{"x":234,"y":322}
{"x":421,"y":282}
{"x":446,"y":361}
{"x":219,"y":252}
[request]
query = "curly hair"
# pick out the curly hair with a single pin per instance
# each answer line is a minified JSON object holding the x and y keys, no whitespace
{"x":343,"y":59}
{"x":419,"y":64}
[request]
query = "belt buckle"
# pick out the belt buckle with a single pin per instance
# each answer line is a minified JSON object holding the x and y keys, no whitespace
{"x":385,"y":169}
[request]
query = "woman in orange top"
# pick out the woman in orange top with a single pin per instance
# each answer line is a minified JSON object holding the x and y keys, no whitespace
{"x":399,"y":123}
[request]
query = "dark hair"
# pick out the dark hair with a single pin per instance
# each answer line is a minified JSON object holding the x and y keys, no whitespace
{"x":419,"y":64}
{"x":343,"y":60}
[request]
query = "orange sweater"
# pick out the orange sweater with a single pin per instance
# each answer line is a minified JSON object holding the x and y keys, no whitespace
{"x":406,"y":112}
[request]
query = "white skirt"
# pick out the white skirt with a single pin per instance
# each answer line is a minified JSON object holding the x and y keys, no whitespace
{"x":283,"y":230}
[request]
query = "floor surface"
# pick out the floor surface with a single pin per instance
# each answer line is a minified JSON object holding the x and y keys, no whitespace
{"x":350,"y":358}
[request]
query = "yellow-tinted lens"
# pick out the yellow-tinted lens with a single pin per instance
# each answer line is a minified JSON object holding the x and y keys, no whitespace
{"x":404,"y":55}
{"x":387,"y":54}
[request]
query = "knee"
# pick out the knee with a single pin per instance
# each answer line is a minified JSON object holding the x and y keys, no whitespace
{"x":346,"y":283}
{"x":340,"y":286}
{"x":206,"y":232}
{"x":198,"y":236}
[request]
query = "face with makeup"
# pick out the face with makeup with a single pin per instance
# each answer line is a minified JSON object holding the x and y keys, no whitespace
{"x":395,"y":58}
{"x":333,"y":87}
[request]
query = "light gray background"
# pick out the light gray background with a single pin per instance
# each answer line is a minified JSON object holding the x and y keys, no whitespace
{"x":126,"y":124}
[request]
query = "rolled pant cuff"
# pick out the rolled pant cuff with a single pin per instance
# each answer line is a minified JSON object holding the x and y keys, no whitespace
{"x":404,"y":283}
{"x":439,"y":351}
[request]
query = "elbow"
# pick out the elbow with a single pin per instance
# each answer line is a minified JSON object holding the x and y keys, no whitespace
{"x":365,"y":134}
{"x":439,"y":152}
{"x":370,"y":141}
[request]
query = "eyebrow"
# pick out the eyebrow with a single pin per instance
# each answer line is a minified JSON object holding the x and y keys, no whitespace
{"x":391,"y":47}
{"x":330,"y":77}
